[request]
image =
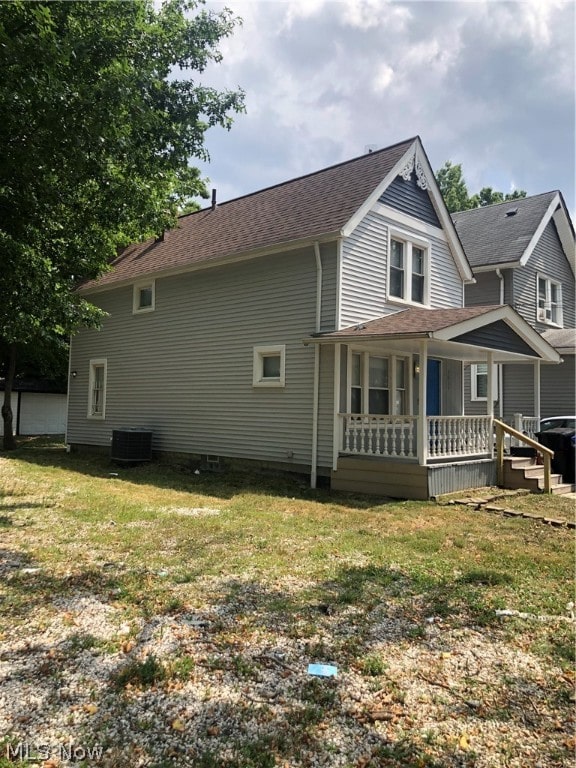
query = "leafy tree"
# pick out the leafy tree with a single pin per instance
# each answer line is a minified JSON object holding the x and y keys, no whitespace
{"x":100,"y":118}
{"x":489,"y":196}
{"x":455,"y":192}
{"x":453,"y":187}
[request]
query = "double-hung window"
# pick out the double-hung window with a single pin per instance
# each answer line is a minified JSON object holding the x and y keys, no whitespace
{"x":479,"y":382}
{"x":97,"y":389}
{"x":377,"y":384}
{"x":549,"y":295}
{"x":408,"y":267}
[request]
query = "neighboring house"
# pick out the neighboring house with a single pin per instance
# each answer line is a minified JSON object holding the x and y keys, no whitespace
{"x":38,"y":407}
{"x":522,"y":253}
{"x":317,"y":325}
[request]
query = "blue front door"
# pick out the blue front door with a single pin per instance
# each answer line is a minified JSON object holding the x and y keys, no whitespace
{"x":433,"y":388}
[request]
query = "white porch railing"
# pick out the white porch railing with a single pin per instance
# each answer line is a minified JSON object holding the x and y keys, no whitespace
{"x":449,"y":437}
{"x":528,"y":425}
{"x":371,"y":435}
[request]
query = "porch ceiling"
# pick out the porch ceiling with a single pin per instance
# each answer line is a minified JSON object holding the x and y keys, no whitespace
{"x":458,"y":334}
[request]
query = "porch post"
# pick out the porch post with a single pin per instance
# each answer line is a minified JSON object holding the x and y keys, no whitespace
{"x":537,"y":388}
{"x":490,"y":385}
{"x":422,"y":431}
{"x":336,"y":431}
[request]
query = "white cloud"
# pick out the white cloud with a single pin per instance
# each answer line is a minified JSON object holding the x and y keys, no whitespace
{"x":487,"y":84}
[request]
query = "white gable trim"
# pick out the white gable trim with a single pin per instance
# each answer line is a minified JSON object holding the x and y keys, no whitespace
{"x":415,"y":159}
{"x":371,"y":201}
{"x":511,"y":318}
{"x":410,"y":221}
{"x":566,"y":235}
{"x":540,"y":230}
{"x":454,"y":243}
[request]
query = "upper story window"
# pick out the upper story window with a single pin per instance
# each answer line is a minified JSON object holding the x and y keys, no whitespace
{"x":549,"y":295}
{"x":97,"y":389}
{"x":408,"y":269}
{"x":269,"y":366}
{"x":144,"y":297}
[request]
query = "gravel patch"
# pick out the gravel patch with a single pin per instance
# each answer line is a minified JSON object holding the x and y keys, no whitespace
{"x":232,"y":687}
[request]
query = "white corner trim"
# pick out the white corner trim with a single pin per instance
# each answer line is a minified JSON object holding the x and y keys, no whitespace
{"x":540,"y":230}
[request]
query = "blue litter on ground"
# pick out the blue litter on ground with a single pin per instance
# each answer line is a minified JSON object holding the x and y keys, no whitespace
{"x":322,"y":670}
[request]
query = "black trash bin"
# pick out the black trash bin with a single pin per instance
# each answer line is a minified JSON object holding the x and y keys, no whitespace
{"x":561,"y":441}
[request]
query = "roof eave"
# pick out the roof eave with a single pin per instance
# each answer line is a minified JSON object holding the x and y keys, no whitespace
{"x":289,"y":245}
{"x":499,"y":265}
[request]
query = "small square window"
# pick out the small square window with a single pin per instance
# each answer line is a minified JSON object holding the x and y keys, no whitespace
{"x":269,"y":366}
{"x":144,"y":297}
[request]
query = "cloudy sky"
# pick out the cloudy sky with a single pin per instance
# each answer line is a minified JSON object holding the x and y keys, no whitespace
{"x":489,"y":85}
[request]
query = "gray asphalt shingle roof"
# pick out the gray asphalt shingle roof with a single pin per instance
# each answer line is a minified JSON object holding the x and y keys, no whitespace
{"x":308,"y":207}
{"x":492,"y":237}
{"x":561,"y":338}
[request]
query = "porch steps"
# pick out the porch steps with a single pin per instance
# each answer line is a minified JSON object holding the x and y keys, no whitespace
{"x":525,"y":473}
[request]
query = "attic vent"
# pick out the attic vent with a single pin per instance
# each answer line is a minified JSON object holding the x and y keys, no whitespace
{"x":512,"y":212}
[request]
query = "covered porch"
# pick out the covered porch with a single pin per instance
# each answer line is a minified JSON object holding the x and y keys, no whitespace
{"x":399,"y":422}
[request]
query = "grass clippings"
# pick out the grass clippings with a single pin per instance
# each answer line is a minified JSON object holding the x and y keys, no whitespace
{"x":155,"y":617}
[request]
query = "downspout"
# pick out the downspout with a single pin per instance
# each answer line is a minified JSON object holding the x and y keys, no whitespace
{"x":316,"y":385}
{"x":500,"y":276}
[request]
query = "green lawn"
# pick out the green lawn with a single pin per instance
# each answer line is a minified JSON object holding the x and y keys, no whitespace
{"x":236,"y":582}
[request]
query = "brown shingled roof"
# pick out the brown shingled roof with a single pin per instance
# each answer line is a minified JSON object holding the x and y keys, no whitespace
{"x":411,"y":322}
{"x":305,"y":208}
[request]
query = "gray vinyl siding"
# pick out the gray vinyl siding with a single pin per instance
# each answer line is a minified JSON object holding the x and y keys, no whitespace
{"x":518,"y":391}
{"x":329,"y":259}
{"x":364,"y":253}
{"x":549,"y":260}
{"x":326,"y":407}
{"x":451,"y":388}
{"x":406,"y":196}
{"x":496,"y":335}
{"x":185,"y":370}
{"x":558,"y":388}
{"x":364,"y":266}
{"x":486,"y":290}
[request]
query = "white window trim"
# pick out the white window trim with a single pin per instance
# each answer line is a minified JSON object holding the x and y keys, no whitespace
{"x":543,"y":319}
{"x":474,"y":396}
{"x":96,"y":363}
{"x":365,"y":380}
{"x":260,"y":352}
{"x":136,"y":308}
{"x":409,"y":239}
